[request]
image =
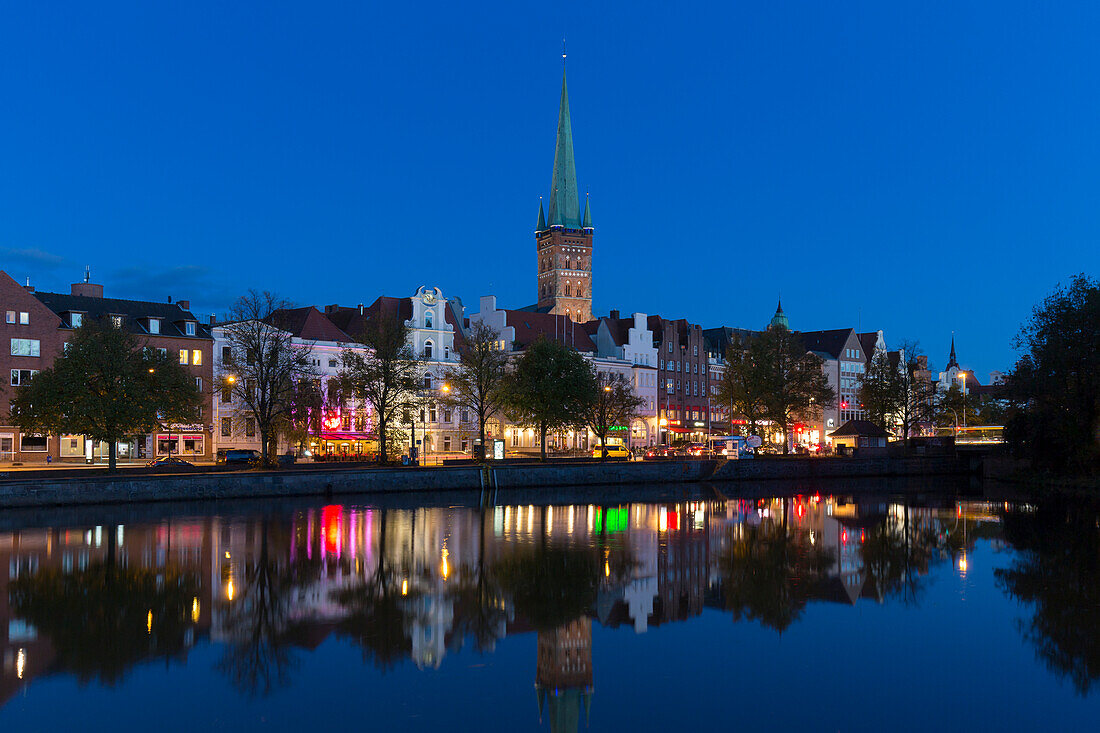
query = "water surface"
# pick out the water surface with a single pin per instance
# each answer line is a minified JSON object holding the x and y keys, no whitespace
{"x":813,"y":611}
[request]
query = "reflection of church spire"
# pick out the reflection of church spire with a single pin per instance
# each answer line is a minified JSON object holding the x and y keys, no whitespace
{"x":563,"y":678}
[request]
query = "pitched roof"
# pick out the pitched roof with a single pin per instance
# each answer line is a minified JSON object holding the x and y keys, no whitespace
{"x":171,"y":315}
{"x":829,"y":342}
{"x":861,"y":428}
{"x":718,"y":340}
{"x":530,"y":326}
{"x":310,"y":324}
{"x":868,"y":342}
{"x":353,"y":323}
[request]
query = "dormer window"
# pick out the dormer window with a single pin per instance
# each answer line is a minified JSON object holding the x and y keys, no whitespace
{"x":75,"y":319}
{"x":189,"y":328}
{"x":116,"y":321}
{"x":154,"y":325}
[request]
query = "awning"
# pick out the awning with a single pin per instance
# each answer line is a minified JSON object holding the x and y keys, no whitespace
{"x":677,"y":429}
{"x":348,"y":436}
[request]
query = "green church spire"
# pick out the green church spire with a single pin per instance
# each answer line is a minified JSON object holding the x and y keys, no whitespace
{"x":564,"y":200}
{"x":542,"y":219}
{"x":587,"y":221}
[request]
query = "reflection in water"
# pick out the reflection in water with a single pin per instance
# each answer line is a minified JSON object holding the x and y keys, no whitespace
{"x":418,"y":584}
{"x":1057,"y":573}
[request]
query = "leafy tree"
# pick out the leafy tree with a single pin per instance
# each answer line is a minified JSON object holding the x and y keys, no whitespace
{"x":550,"y":586}
{"x":614,"y":404}
{"x":742,"y":385}
{"x":915,"y":390}
{"x":481,"y":610}
{"x":477,"y":384}
{"x":880,"y":390}
{"x":263,"y":365}
{"x":107,"y":387}
{"x":387,"y":377}
{"x":896,"y":555}
{"x":307,"y":409}
{"x":952,"y":404}
{"x":1054,"y":389}
{"x":795,"y":385}
{"x":549,"y":389}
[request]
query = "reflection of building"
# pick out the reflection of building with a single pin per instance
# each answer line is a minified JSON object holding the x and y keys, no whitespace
{"x":563,"y":675}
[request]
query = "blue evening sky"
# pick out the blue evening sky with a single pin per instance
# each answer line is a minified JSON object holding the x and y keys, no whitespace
{"x":920,"y":167}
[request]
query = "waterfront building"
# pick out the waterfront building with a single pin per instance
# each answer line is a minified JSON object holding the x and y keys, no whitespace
{"x":628,"y":341}
{"x":436,"y":334}
{"x":38,"y":324}
{"x":684,"y":387}
{"x":563,"y":237}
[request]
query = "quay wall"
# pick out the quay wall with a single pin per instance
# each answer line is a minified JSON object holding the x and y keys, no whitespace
{"x":63,"y":491}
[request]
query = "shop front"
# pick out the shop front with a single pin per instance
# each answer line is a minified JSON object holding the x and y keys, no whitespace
{"x":82,"y":448}
{"x":185,"y":441}
{"x":340,"y":445}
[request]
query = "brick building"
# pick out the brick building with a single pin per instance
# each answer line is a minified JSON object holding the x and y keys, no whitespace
{"x":38,"y":324}
{"x":683,"y":380}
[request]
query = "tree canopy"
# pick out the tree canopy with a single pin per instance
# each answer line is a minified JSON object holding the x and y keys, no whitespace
{"x":108,"y":387}
{"x":477,"y":383}
{"x":614,"y":404}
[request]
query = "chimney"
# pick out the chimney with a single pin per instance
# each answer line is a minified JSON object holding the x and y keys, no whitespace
{"x":87,"y":289}
{"x":184,"y":304}
{"x":28,"y":287}
{"x":213,"y":319}
{"x":614,"y":315}
{"x":360,"y":309}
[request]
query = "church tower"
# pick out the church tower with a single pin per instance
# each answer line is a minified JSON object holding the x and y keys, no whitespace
{"x":564,"y":235}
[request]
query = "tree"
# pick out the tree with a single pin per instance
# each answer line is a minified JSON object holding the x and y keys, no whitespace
{"x":107,"y":387}
{"x":614,"y":404}
{"x":915,"y":390}
{"x":952,"y":405}
{"x":1054,"y":389}
{"x":741,"y":385}
{"x":387,"y":377}
{"x":263,"y":364}
{"x":795,"y":385}
{"x":880,"y":389}
{"x":549,"y":389}
{"x":477,"y":383}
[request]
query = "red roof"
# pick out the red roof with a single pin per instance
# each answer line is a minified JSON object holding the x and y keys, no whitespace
{"x":530,"y":326}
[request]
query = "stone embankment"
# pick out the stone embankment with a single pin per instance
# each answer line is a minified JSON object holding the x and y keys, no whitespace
{"x":491,"y":480}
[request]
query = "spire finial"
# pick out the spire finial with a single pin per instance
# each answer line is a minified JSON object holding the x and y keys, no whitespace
{"x":87,"y":273}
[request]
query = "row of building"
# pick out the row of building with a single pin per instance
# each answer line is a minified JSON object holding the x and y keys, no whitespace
{"x":672,"y":363}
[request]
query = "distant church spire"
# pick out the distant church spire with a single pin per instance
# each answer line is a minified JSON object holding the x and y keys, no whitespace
{"x":565,"y":210}
{"x":951,"y":360}
{"x":780,"y":318}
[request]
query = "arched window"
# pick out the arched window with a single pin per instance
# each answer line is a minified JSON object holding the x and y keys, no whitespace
{"x":427,"y":319}
{"x":427,"y":385}
{"x":427,"y":349}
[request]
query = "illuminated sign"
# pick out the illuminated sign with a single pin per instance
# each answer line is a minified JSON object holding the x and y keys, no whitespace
{"x":614,"y":520}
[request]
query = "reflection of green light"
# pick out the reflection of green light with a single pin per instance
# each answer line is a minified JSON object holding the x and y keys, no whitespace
{"x":616,"y":520}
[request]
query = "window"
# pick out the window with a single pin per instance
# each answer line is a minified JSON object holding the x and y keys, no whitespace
{"x":427,"y":319}
{"x":427,"y":381}
{"x":250,"y":427}
{"x":696,"y":349}
{"x":33,"y":443}
{"x":116,"y":321}
{"x":447,"y":416}
{"x":190,"y":328}
{"x":227,"y":354}
{"x":24,"y":318}
{"x":154,"y":325}
{"x":11,"y":317}
{"x":332,"y":362}
{"x":464,"y":416}
{"x":670,"y":347}
{"x":227,"y":426}
{"x":75,"y":319}
{"x":447,"y":352}
{"x":433,"y":415}
{"x":427,"y":349}
{"x":668,"y":386}
{"x":227,"y":395}
{"x":183,"y":356}
{"x":198,"y":383}
{"x":22,"y":377}
{"x":162,"y":353}
{"x":196,"y":357}
{"x":446,"y":442}
{"x":26,"y":347}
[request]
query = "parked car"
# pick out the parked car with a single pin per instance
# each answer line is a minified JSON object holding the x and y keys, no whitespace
{"x":658,"y":451}
{"x":692,"y":450}
{"x":618,"y":451}
{"x":169,"y":462}
{"x":238,"y":455}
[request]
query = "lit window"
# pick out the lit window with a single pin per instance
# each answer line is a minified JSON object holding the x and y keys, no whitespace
{"x":11,"y":317}
{"x":196,"y":357}
{"x":198,"y":383}
{"x":154,"y":325}
{"x":427,"y":319}
{"x":24,"y":318}
{"x":116,"y":321}
{"x":26,"y":347}
{"x":183,"y":356}
{"x":75,"y":319}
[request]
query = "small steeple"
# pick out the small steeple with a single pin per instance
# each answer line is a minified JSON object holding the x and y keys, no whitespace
{"x":779,"y":320}
{"x":542,"y":219}
{"x":951,"y":360}
{"x":586,"y":222}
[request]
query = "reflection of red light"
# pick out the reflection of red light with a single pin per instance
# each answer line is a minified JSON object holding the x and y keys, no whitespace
{"x":330,"y":525}
{"x":862,"y":536}
{"x":844,"y":536}
{"x":800,"y":511}
{"x":674,"y":520}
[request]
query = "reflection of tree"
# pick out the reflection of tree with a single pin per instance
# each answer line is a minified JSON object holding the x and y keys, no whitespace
{"x":770,"y":575}
{"x":378,"y":614}
{"x":481,"y":611}
{"x":1058,"y":573}
{"x":259,"y":623}
{"x":895,"y":553}
{"x":106,"y":618}
{"x":551,"y":586}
